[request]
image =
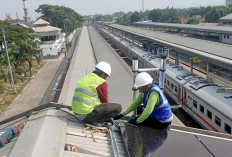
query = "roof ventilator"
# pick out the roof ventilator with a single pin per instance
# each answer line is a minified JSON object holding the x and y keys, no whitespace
{"x":175,"y":66}
{"x":221,"y":90}
{"x":183,"y":76}
{"x":228,"y":96}
{"x":200,"y":84}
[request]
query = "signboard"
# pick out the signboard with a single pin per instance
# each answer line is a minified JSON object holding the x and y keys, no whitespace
{"x":195,"y":60}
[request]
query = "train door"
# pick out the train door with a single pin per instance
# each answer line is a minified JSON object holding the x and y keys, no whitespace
{"x":184,"y":102}
{"x":179,"y":95}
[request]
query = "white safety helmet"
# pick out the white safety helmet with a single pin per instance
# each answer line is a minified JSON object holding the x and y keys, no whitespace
{"x":105,"y":67}
{"x":142,"y":79}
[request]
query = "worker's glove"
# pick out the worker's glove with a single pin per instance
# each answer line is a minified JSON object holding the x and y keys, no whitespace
{"x":119,"y":116}
{"x":134,"y":121}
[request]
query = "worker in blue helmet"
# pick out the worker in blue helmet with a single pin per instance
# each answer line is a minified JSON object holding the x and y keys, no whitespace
{"x":90,"y":100}
{"x":156,"y":111}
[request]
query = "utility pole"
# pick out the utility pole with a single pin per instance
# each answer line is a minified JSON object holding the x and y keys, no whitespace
{"x":142,"y":5}
{"x":65,"y":30}
{"x":10,"y":69}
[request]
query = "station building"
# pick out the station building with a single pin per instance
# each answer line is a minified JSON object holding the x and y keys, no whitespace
{"x":51,"y":39}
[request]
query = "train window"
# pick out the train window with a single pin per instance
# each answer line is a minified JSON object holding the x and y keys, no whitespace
{"x":195,"y":103}
{"x":209,"y":114}
{"x":217,"y":121}
{"x":175,"y":89}
{"x":202,"y":108}
{"x":227,"y":128}
{"x":165,"y":80}
{"x":168,"y":83}
{"x":171,"y":85}
{"x":189,"y":97}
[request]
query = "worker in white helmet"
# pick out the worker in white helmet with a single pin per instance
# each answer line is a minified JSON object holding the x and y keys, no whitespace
{"x":90,"y":100}
{"x":156,"y":110}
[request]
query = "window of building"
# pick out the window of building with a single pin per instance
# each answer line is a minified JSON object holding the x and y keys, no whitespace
{"x":217,"y":121}
{"x":227,"y":128}
{"x":209,"y":114}
{"x":202,"y":108}
{"x":225,"y":36}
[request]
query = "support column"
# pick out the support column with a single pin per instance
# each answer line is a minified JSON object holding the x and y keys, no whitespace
{"x":135,"y":70}
{"x":191,"y":64}
{"x":162,"y":70}
{"x":177,"y":58}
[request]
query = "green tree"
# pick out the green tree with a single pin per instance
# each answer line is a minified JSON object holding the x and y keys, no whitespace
{"x":156,"y":15}
{"x":57,"y":15}
{"x":21,"y":47}
{"x":213,"y":16}
{"x":136,"y":16}
{"x":193,"y":21}
{"x":173,"y":16}
{"x":118,"y":14}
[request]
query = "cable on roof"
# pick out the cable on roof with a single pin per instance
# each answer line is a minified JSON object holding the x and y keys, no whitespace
{"x":204,"y":145}
{"x":90,"y":129}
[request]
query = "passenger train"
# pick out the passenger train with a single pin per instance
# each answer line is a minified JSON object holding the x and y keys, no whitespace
{"x":206,"y":102}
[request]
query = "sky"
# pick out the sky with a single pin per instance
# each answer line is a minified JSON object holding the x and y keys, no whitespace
{"x":92,"y":7}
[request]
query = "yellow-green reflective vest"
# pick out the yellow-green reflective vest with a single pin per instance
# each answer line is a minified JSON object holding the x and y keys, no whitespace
{"x":85,"y":95}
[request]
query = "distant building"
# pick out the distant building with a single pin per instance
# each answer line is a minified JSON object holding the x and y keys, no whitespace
{"x":184,"y":20}
{"x":51,"y":38}
{"x":226,"y":20}
{"x":10,"y":19}
{"x":229,"y":3}
{"x":144,"y":20}
{"x":26,"y":17}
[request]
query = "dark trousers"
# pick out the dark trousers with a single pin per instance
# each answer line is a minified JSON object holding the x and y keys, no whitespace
{"x":103,"y":112}
{"x":154,"y":123}
{"x":151,"y":121}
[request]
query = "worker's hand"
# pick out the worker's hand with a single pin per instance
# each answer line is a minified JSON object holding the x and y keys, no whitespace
{"x":134,"y":121}
{"x":119,"y":116}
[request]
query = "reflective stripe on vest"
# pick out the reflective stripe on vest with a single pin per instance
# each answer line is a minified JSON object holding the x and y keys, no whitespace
{"x":84,"y":101}
{"x":158,"y":90}
{"x":165,"y":101}
{"x":158,"y":107}
{"x":87,"y":92}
